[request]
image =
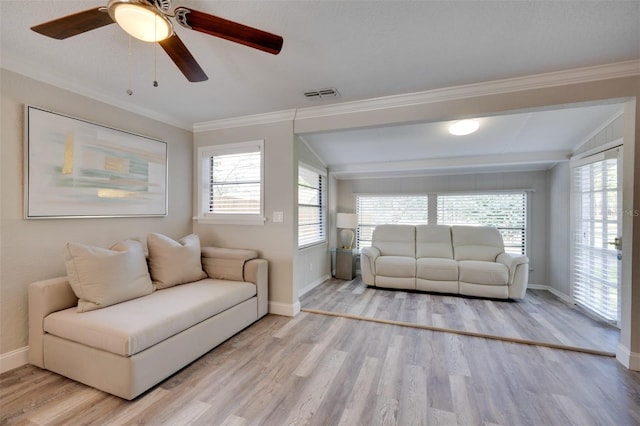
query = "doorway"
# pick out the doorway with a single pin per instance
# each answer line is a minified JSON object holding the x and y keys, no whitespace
{"x":597,"y":234}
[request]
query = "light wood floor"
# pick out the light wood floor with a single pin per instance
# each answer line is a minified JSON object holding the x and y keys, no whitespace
{"x":540,"y":317}
{"x":324,"y":370}
{"x":321,"y":370}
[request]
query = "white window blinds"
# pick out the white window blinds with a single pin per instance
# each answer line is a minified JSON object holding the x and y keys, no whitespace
{"x":311,"y":206}
{"x":375,"y":210}
{"x":231,"y":180}
{"x":505,"y":211}
{"x":596,"y":267}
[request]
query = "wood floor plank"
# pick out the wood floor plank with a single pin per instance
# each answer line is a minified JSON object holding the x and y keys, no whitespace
{"x":540,"y":316}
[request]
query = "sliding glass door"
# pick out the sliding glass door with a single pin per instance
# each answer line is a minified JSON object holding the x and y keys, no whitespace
{"x":597,"y":233}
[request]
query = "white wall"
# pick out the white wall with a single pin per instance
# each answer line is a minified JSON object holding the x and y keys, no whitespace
{"x":534,"y":181}
{"x":31,"y":250}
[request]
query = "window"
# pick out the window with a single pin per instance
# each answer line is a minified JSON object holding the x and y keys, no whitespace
{"x":375,"y":210}
{"x":311,"y":206}
{"x":231,"y":184}
{"x":505,"y":211}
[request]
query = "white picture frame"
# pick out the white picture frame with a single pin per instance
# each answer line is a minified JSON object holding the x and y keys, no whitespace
{"x":75,"y":168}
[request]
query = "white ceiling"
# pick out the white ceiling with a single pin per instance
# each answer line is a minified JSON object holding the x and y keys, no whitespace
{"x":366,"y":49}
{"x":533,"y":140}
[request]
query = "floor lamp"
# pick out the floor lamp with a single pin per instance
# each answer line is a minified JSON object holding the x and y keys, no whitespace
{"x":347,"y":222}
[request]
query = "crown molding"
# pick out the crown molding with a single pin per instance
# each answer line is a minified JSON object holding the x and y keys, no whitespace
{"x":42,"y":76}
{"x":536,"y":81}
{"x":249,"y":120}
{"x":526,"y":161}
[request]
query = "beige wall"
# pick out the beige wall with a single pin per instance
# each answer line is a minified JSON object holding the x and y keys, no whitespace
{"x":32,"y":249}
{"x":274,"y":241}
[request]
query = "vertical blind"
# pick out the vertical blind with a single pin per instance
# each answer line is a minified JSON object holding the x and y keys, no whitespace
{"x":596,"y":270}
{"x":504,"y":211}
{"x":234,"y":183}
{"x":311,"y":206}
{"x":378,"y":210}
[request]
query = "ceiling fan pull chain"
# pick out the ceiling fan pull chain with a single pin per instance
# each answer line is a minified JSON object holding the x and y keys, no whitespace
{"x":129,"y":90}
{"x":155,"y":57}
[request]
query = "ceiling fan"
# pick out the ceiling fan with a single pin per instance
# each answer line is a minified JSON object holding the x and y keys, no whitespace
{"x":149,"y":20}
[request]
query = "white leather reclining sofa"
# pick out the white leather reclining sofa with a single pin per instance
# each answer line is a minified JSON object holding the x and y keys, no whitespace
{"x":467,"y":260}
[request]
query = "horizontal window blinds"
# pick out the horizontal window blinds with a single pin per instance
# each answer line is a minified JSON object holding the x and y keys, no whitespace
{"x":379,"y":210}
{"x":311,"y":206}
{"x":596,"y":268}
{"x":234,"y":182}
{"x":505,"y":211}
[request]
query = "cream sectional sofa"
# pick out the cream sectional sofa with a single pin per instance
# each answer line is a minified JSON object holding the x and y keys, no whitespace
{"x":467,"y":260}
{"x":126,"y":347}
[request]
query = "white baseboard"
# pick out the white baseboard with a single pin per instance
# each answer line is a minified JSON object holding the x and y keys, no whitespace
{"x":313,"y":285}
{"x":560,"y":295}
{"x":284,"y":309}
{"x":14,"y":359}
{"x":629,"y":359}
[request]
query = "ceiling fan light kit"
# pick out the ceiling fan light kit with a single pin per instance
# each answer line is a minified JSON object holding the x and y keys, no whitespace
{"x":140,"y":20}
{"x":149,"y":20}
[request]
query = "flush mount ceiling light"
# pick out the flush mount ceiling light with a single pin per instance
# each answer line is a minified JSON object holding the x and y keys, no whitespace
{"x":463,"y":127}
{"x":140,"y":20}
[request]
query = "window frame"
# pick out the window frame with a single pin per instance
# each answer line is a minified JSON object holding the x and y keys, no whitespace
{"x":395,"y":195}
{"x":204,"y":153}
{"x":322,"y":196}
{"x":432,"y":202}
{"x":525,"y":222}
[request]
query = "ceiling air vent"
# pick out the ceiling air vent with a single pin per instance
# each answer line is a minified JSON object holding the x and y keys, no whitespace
{"x":329,"y":92}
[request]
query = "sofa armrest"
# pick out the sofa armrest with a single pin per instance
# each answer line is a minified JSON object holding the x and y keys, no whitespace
{"x":46,"y":297}
{"x":257,"y":272}
{"x":518,"y":266}
{"x":368,"y":256}
{"x":226,"y":263}
{"x":511,"y":260}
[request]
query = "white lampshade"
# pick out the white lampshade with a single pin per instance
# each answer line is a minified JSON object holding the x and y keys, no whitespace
{"x":140,"y":20}
{"x":346,"y":220}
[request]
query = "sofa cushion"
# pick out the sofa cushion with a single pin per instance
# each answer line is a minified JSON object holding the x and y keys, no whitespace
{"x":434,"y":241}
{"x":396,"y":266}
{"x":395,"y":240}
{"x":130,"y":327}
{"x":102,"y":277}
{"x":174,"y":262}
{"x":226,"y":264}
{"x":476,"y":243}
{"x":437,"y":269}
{"x":485,"y":273}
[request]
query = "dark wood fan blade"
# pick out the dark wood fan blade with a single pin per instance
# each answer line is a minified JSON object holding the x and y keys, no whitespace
{"x":229,"y":30}
{"x":181,"y":56}
{"x":75,"y":24}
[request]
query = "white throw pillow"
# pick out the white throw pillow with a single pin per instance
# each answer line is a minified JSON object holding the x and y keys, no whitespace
{"x":101,"y":277}
{"x":174,"y":262}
